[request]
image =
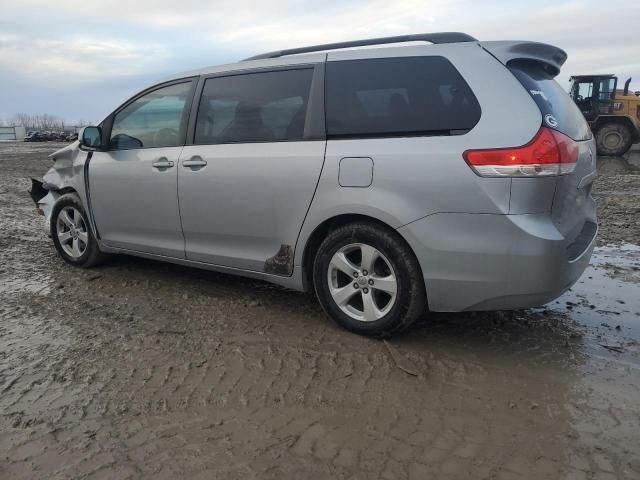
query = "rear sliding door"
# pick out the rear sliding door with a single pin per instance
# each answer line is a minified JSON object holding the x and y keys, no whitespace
{"x":246,"y":183}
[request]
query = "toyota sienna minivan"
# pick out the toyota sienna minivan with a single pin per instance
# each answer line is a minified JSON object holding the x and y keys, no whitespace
{"x":437,"y":174}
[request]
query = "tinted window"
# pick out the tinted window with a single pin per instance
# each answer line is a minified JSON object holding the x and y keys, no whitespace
{"x":254,"y":107}
{"x":398,"y":96}
{"x":551,"y":100}
{"x":153,"y":120}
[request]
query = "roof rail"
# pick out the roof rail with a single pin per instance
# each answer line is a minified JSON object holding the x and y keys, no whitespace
{"x":440,"y":37}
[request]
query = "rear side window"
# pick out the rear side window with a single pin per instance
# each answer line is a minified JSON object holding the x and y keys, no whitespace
{"x":254,"y":107}
{"x":558,"y":110}
{"x":398,"y":97}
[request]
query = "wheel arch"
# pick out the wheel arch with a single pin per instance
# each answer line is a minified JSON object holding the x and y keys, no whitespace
{"x":68,"y":190}
{"x":91,"y":255}
{"x":60,"y":193}
{"x":324,"y":228}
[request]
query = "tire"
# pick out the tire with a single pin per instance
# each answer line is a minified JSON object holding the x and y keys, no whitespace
{"x":394,"y":261}
{"x":613,"y":139}
{"x":72,"y":235}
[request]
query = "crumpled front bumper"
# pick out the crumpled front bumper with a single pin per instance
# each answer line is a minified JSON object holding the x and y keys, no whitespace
{"x":44,"y":200}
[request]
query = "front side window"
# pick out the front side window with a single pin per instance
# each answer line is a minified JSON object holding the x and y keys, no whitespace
{"x":153,"y":120}
{"x":398,"y":96}
{"x":254,"y":107}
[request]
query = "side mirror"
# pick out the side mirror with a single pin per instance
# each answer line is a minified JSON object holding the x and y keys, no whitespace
{"x":91,"y":138}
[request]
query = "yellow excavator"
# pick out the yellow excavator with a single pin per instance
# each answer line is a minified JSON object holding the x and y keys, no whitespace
{"x":613,"y":115}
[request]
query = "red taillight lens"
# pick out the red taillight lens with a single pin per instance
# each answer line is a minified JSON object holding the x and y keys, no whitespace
{"x":549,"y":153}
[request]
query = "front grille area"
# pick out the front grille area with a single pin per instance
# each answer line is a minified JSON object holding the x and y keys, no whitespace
{"x":582,"y":241}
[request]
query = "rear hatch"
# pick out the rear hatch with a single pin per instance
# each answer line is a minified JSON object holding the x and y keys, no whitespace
{"x":573,"y":210}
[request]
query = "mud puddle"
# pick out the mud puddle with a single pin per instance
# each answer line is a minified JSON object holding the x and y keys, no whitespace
{"x":607,"y":296}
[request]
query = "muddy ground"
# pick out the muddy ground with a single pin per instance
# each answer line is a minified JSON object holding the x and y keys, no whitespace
{"x":142,"y":369}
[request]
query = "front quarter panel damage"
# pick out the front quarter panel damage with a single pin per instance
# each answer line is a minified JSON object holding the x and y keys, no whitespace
{"x":65,"y":176}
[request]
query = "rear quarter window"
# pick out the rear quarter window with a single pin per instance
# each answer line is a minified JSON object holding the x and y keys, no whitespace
{"x":558,"y":110}
{"x":404,"y":96}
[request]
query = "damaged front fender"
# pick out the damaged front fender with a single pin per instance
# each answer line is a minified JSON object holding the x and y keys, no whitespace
{"x":66,"y":175}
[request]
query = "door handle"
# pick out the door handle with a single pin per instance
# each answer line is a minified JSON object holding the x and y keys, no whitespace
{"x":194,"y":162}
{"x":162,"y":163}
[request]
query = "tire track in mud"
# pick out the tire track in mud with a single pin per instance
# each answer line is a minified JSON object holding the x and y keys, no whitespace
{"x":277,"y":407}
{"x":312,"y":407}
{"x":257,"y":407}
{"x":255,"y":374}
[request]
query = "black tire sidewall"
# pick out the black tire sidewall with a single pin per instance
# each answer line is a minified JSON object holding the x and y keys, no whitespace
{"x":410,"y":297}
{"x":86,"y":259}
{"x":622,"y":130}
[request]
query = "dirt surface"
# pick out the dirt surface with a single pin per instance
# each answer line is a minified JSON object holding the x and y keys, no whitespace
{"x":139,"y":369}
{"x":617,"y":193}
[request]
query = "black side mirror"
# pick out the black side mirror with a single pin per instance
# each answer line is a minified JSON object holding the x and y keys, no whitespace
{"x":91,"y":138}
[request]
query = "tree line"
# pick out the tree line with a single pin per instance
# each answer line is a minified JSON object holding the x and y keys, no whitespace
{"x":42,"y":121}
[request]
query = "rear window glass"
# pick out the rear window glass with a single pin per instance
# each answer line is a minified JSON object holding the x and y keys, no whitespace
{"x":558,"y":110}
{"x":398,"y":97}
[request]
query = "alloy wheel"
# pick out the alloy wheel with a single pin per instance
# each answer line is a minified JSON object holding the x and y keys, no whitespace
{"x":72,"y":232}
{"x":362,"y":282}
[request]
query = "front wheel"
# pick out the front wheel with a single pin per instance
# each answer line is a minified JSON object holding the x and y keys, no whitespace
{"x":368,"y":280}
{"x":613,"y":139}
{"x":72,"y":234}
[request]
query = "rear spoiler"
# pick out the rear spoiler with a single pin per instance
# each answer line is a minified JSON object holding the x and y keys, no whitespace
{"x":551,"y":57}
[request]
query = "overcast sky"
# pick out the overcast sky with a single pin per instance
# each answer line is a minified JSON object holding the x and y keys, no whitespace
{"x":79,"y":59}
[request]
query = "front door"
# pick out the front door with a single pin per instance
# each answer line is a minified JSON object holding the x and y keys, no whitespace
{"x":246,"y":183}
{"x":133,"y":185}
{"x":606,"y":95}
{"x":584,"y":96}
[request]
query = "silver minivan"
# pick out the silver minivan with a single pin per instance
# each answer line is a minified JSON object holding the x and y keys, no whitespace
{"x":424,"y":173}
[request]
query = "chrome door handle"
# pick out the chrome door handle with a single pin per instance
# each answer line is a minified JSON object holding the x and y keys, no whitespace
{"x":162,"y":163}
{"x":194,"y":162}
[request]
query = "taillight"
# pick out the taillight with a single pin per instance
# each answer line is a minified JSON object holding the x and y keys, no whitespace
{"x":549,"y":153}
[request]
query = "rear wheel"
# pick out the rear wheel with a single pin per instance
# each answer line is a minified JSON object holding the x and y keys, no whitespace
{"x":72,"y":234}
{"x":368,"y":280}
{"x":613,"y":139}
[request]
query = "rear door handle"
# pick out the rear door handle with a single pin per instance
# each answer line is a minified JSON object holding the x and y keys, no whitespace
{"x":162,"y":163}
{"x":194,"y":162}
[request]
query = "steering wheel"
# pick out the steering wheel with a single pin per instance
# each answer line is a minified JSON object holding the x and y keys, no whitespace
{"x":165,"y":136}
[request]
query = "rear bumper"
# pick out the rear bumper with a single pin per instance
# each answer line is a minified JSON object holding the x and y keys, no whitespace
{"x":496,"y":262}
